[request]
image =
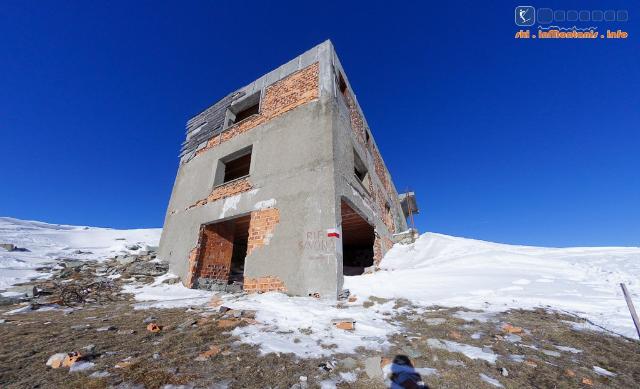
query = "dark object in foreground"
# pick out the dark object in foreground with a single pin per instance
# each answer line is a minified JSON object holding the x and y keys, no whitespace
{"x":403,"y":374}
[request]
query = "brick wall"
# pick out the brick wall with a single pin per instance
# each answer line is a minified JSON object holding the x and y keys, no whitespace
{"x":282,"y":96}
{"x":380,"y":247}
{"x":357,"y":123}
{"x":211,"y":258}
{"x":264,"y":284}
{"x":225,"y":190}
{"x":261,"y":227}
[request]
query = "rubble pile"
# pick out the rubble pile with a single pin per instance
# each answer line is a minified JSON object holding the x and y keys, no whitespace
{"x":75,"y":281}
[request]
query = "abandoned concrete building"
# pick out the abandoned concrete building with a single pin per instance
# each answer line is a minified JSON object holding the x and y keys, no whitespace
{"x":281,"y":187}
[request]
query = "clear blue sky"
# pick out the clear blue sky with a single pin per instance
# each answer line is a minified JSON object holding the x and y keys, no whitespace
{"x":530,"y":142}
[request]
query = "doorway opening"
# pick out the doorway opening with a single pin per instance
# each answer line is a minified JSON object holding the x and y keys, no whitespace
{"x":223,"y":249}
{"x":357,"y":241}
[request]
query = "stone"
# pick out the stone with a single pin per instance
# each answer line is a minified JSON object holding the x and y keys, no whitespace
{"x":587,"y":381}
{"x":211,"y":352}
{"x":455,"y":335}
{"x":511,"y":329}
{"x":71,"y":358}
{"x":226,"y":323}
{"x":411,"y":352}
{"x":132,"y":247}
{"x":99,"y":374}
{"x":551,"y":353}
{"x":530,"y":363}
{"x":107,"y":328}
{"x":8,"y":246}
{"x":435,"y":321}
{"x":81,"y":366}
{"x":152,"y":269}
{"x":149,"y":319}
{"x":153,"y":327}
{"x":126,"y":259}
{"x":569,"y":373}
{"x":55,"y":361}
{"x":349,"y":363}
{"x":504,"y":372}
{"x":372,"y":368}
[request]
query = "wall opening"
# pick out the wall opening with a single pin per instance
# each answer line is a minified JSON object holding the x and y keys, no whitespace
{"x":223,"y":249}
{"x":342,"y":84}
{"x":360,"y":169}
{"x":237,"y":168}
{"x":357,"y":241}
{"x":243,"y":109}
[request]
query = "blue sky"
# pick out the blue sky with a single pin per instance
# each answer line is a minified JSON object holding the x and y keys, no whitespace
{"x":528,"y":142}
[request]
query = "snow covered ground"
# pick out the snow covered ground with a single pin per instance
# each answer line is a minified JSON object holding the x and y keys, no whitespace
{"x":437,"y":269}
{"x":452,"y":271}
{"x":47,"y":242}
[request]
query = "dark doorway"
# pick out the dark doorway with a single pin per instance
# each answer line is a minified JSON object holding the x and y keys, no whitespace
{"x":357,"y":241}
{"x":240,"y":239}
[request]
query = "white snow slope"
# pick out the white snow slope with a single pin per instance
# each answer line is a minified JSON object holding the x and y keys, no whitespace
{"x":450,"y":271}
{"x":47,"y":242}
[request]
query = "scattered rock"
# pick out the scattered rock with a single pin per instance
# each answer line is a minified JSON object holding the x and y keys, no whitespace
{"x":71,"y":358}
{"x":454,"y":363}
{"x":372,"y":367}
{"x":81,"y":366}
{"x":511,"y":329}
{"x":107,"y":328}
{"x":530,"y":363}
{"x":211,"y":352}
{"x":348,"y":363}
{"x":587,"y":381}
{"x":435,"y":321}
{"x":226,"y":323}
{"x":153,"y":327}
{"x":99,"y":374}
{"x":149,"y":319}
{"x":504,"y":372}
{"x":8,"y":246}
{"x":152,"y":269}
{"x":55,"y":361}
{"x":551,"y":353}
{"x":455,"y":335}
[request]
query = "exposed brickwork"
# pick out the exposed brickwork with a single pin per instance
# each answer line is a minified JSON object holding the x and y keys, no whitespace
{"x":280,"y":97}
{"x":357,"y":123}
{"x":211,"y":258}
{"x":264,"y":284}
{"x":380,"y":246}
{"x":381,"y":171}
{"x":226,"y":190}
{"x":261,"y":227}
{"x":193,"y":265}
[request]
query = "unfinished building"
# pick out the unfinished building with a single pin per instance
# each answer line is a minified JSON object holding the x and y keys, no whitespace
{"x":281,"y":187}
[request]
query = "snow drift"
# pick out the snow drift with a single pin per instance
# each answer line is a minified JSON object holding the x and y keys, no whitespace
{"x":449,"y":271}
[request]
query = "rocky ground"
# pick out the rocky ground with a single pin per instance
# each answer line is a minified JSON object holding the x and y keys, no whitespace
{"x":78,"y":329}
